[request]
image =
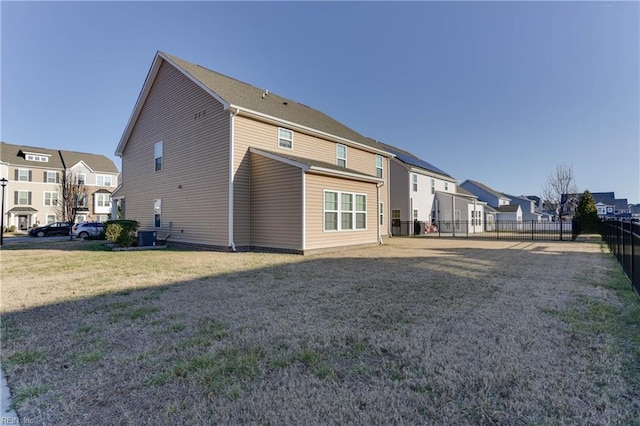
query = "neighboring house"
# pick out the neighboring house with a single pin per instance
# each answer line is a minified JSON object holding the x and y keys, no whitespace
{"x":211,"y":161}
{"x":622,"y":206}
{"x":634,"y":209}
{"x":490,"y":196}
{"x":605,"y":203}
{"x":33,"y":190}
{"x":509,"y":212}
{"x":528,"y":207}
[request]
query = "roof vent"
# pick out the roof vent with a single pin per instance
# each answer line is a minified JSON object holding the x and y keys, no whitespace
{"x":266,"y":92}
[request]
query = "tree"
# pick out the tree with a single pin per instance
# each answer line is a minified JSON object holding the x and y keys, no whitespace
{"x":559,"y":192}
{"x":587,"y":213}
{"x":73,"y":195}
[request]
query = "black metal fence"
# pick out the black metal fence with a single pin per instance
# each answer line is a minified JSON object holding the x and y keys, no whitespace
{"x":623,"y":239}
{"x":499,"y":230}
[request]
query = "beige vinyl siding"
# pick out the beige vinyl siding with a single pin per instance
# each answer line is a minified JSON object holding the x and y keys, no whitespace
{"x":193,"y":183}
{"x":317,"y":238}
{"x":276,"y":204}
{"x":252,"y":133}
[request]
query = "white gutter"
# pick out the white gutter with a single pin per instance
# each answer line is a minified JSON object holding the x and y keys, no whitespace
{"x":232,"y":114}
{"x":304,"y":210}
{"x":333,"y":172}
{"x":378,"y":186}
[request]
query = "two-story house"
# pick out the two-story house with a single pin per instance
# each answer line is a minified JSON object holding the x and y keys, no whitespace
{"x":423,"y":195}
{"x":528,"y":207}
{"x":33,"y":187}
{"x":211,"y":161}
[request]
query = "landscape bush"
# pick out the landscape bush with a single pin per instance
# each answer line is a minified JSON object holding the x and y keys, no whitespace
{"x":121,"y":232}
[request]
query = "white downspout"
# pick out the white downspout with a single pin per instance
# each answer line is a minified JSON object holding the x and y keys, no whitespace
{"x":232,"y":115}
{"x":378,"y":186}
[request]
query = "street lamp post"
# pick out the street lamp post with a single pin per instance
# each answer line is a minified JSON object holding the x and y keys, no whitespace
{"x":3,"y":182}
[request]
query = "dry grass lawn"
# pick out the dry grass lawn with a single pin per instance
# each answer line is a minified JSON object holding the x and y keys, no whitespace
{"x":418,"y":331}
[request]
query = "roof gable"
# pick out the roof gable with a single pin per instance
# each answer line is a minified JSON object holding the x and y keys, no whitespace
{"x":242,"y":97}
{"x":485,"y":188}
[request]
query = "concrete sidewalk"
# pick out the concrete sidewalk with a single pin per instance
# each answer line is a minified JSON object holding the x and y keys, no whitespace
{"x":7,"y":415}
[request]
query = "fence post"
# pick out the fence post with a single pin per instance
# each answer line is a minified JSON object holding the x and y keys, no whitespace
{"x":561,"y":230}
{"x":532,"y":234}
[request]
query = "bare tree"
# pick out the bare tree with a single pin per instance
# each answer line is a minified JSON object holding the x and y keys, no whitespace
{"x":73,"y":195}
{"x":560,"y":190}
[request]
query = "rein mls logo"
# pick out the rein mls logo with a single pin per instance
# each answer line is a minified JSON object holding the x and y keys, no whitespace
{"x":16,"y":421}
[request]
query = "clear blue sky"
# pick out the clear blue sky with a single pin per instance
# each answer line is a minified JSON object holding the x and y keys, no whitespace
{"x":499,"y":92}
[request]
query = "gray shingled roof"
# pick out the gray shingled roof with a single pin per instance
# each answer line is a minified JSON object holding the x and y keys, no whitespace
{"x":98,"y":163}
{"x":244,"y":95}
{"x":315,"y":163}
{"x":486,"y":188}
{"x":58,"y":159}
{"x":11,"y":154}
{"x":508,"y":208}
{"x":462,"y":191}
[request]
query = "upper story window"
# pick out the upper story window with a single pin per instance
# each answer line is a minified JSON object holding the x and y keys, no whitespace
{"x":103,"y":200}
{"x":379,"y":164}
{"x":433,"y":186}
{"x":414,"y":181}
{"x":50,"y":177}
{"x":22,"y":198}
{"x":81,"y":179}
{"x":285,"y":138}
{"x":34,"y":157}
{"x":446,"y":186}
{"x":23,"y":175}
{"x":157,"y":152}
{"x":50,"y":198}
{"x":341,"y":155}
{"x":81,"y":200}
{"x":103,"y":180}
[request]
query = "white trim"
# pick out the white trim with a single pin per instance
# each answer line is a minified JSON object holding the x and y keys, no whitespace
{"x":290,"y":148}
{"x":44,"y":198}
{"x":304,"y":210}
{"x":231,"y":182}
{"x":331,"y":172}
{"x":338,"y":158}
{"x":353,"y":211}
{"x":85,"y":165}
{"x":276,"y":157}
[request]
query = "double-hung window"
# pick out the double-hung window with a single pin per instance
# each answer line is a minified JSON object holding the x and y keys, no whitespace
{"x":157,"y":153}
{"x":433,"y":186}
{"x":23,"y":175}
{"x":103,"y":200}
{"x":379,"y":170}
{"x":285,"y":138}
{"x":50,"y":177}
{"x":103,"y":180}
{"x":344,"y":211}
{"x":22,"y":198}
{"x":50,"y":198}
{"x":341,"y":155}
{"x":446,"y":186}
{"x":81,"y":179}
{"x":414,"y":181}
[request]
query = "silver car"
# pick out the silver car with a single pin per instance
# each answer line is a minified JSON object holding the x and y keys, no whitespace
{"x":87,"y":229}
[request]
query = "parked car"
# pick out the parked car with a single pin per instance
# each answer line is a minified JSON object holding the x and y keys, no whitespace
{"x":56,"y":228}
{"x":87,"y":229}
